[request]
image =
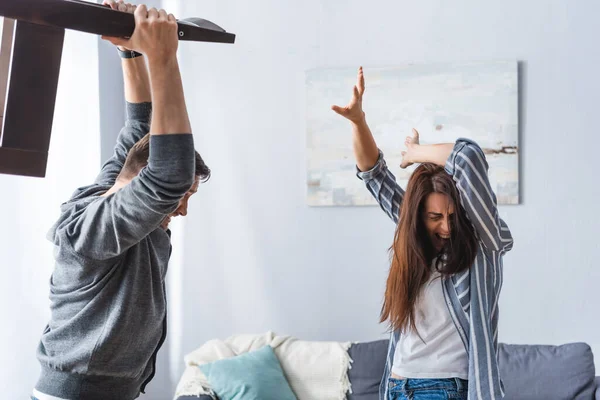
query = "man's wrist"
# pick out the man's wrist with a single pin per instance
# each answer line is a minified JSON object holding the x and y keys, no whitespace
{"x":126,"y":53}
{"x":162,"y":59}
{"x":158,"y":66}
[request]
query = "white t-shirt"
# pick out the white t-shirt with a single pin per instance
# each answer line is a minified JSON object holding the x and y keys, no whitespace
{"x":442,"y":354}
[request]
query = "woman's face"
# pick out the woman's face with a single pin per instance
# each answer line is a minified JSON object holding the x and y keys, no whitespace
{"x":436,"y":215}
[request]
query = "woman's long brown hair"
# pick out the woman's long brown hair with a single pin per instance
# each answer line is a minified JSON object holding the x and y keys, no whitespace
{"x":412,"y":251}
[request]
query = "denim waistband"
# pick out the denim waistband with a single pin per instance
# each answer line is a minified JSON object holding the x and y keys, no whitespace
{"x":412,"y":384}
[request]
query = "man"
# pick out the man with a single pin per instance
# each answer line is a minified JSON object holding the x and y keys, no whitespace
{"x":112,"y":245}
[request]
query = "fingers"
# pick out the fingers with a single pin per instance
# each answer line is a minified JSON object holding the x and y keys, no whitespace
{"x":153,"y":13}
{"x":122,"y":6}
{"x":172,"y":18}
{"x":360,"y":81}
{"x":414,"y":139}
{"x":141,"y":13}
{"x":355,"y":93}
{"x":119,"y":5}
{"x":356,"y":98}
{"x":404,"y":163}
{"x":162,"y":15}
{"x":112,"y":4}
{"x":340,"y":110}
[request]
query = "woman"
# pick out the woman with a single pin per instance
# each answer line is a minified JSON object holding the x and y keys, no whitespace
{"x":441,"y":297}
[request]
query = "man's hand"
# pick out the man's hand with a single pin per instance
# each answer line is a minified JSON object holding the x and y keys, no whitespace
{"x":353,"y":111}
{"x":412,"y":144}
{"x":119,"y":6}
{"x":155,"y":34}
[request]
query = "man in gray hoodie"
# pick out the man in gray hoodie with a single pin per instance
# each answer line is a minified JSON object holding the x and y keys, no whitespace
{"x":112,"y":243}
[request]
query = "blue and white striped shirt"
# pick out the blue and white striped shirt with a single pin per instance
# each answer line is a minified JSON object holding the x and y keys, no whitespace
{"x":474,"y":312}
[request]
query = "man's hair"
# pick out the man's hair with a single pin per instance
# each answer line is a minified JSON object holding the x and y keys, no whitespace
{"x":138,"y":155}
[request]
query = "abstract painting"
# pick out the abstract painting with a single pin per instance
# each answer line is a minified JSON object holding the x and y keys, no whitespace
{"x":443,"y":102}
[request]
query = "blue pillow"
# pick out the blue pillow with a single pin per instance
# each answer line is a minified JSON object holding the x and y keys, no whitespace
{"x":256,"y":375}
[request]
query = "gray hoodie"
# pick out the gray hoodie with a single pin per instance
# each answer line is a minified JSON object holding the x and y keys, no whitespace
{"x":107,"y":291}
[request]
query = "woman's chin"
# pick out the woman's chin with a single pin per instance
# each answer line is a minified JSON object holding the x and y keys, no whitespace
{"x":438,"y":243}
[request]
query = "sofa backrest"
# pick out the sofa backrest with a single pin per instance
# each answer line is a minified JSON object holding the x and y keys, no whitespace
{"x":368,"y":362}
{"x":529,"y":372}
{"x":532,"y":372}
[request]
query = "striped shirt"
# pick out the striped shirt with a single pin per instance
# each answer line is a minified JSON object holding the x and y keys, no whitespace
{"x":471,"y":295}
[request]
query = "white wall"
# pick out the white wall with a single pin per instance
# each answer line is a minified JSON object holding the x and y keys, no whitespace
{"x":29,"y":207}
{"x":256,"y":258}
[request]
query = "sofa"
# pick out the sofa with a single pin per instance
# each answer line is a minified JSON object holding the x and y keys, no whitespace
{"x":529,"y":372}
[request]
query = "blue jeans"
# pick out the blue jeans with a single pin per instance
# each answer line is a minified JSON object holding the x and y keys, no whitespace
{"x":427,"y":389}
